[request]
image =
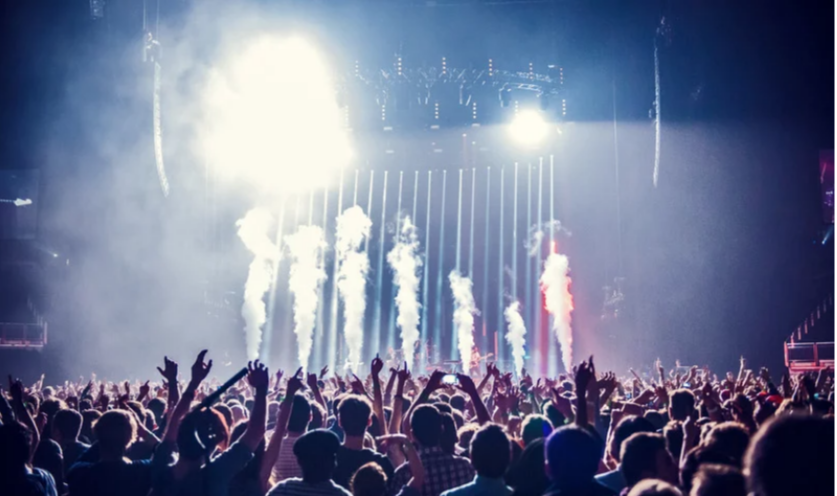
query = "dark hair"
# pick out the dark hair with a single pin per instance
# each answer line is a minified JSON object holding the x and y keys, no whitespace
{"x":369,"y":480}
{"x":719,"y":480}
{"x":698,"y":456}
{"x":316,"y":453}
{"x":490,"y":451}
{"x":535,"y":427}
{"x":556,"y":418}
{"x":443,"y":407}
{"x":158,"y":408}
{"x":639,"y":455}
{"x":200,"y":432}
{"x":626,"y":428}
{"x":526,"y":475}
{"x":466,"y":434}
{"x":449,"y":438}
{"x":68,"y":423}
{"x":426,"y":424}
{"x":654,"y":487}
{"x":458,"y":402}
{"x":115,"y":430}
{"x":14,"y":447}
{"x":731,"y":439}
{"x":300,"y":414}
{"x":682,"y":404}
{"x":573,"y":455}
{"x":673,"y":432}
{"x":88,"y":418}
{"x":51,"y":406}
{"x":318,"y":417}
{"x":792,"y":445}
{"x":353,"y":415}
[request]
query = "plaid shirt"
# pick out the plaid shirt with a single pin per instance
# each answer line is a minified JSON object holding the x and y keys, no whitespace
{"x":443,"y":472}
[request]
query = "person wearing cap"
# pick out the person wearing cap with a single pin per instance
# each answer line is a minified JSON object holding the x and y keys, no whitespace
{"x":316,"y":452}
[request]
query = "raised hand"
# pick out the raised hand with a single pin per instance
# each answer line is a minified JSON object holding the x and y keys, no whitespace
{"x":16,"y":390}
{"x":279,"y":374}
{"x":169,"y":372}
{"x":466,"y":385}
{"x":143,"y":390}
{"x":311,"y":380}
{"x":403,"y":374}
{"x":357,"y":385}
{"x":294,"y":384}
{"x":377,"y":366}
{"x":435,"y":381}
{"x":585,"y":373}
{"x":200,"y":369}
{"x":257,"y":375}
{"x":323,"y":371}
{"x":127,"y":386}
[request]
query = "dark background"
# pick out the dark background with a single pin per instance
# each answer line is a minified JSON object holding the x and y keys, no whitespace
{"x":722,"y":258}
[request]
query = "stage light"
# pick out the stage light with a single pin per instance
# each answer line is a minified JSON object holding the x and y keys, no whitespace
{"x":271,"y":117}
{"x":528,"y":127}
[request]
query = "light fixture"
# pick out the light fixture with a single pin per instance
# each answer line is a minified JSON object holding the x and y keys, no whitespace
{"x":528,"y":127}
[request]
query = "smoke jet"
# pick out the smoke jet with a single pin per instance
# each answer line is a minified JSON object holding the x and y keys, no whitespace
{"x":464,"y":310}
{"x":516,"y":335}
{"x":253,"y":229}
{"x":555,"y":283}
{"x":406,"y":263}
{"x":352,"y":229}
{"x":306,"y":247}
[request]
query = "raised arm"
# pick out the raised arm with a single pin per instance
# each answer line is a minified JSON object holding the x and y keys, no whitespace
{"x":315,"y":390}
{"x":23,"y":416}
{"x":466,"y":385}
{"x":169,"y":373}
{"x":271,"y":454}
{"x":377,"y":395}
{"x":398,"y":404}
{"x":583,"y":377}
{"x":390,"y":383}
{"x":259,"y":378}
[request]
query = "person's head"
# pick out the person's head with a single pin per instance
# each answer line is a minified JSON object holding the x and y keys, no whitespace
{"x":115,"y":430}
{"x":654,"y":487}
{"x":200,"y":432}
{"x":644,"y":456}
{"x":66,"y":426}
{"x":318,"y":417}
{"x":626,"y":428}
{"x":731,"y":439}
{"x":443,"y":407}
{"x":158,"y":408}
{"x":490,"y":451}
{"x":426,"y":424}
{"x":656,"y":418}
{"x":225,"y":411}
{"x":88,"y":418}
{"x":572,"y":456}
{"x":792,"y":455}
{"x":466,"y":434}
{"x":14,"y":447}
{"x":369,"y":480}
{"x":535,"y":427}
{"x":458,"y":402}
{"x":696,"y":458}
{"x":527,"y":475}
{"x":238,"y":412}
{"x":551,"y":412}
{"x":682,"y":402}
{"x":718,"y":480}
{"x":300,"y":415}
{"x":449,"y":438}
{"x":354,"y":415}
{"x":316,"y":453}
{"x":272,"y":412}
{"x":673,"y":432}
{"x":51,"y":406}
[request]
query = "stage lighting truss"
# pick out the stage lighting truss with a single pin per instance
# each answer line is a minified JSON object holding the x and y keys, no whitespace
{"x":424,"y":97}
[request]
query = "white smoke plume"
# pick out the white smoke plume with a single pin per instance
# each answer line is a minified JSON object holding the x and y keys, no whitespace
{"x":306,"y":247}
{"x":406,"y":263}
{"x":352,"y":229}
{"x":516,"y":335}
{"x":534,"y":239}
{"x":555,"y":283}
{"x":253,"y":230}
{"x":464,"y":310}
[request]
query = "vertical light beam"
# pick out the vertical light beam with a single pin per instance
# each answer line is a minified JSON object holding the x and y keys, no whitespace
{"x":500,"y":262}
{"x":440,"y":302}
{"x":426,"y":276}
{"x":376,"y":319}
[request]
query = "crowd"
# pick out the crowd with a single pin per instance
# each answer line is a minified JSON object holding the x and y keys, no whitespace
{"x":683,"y":432}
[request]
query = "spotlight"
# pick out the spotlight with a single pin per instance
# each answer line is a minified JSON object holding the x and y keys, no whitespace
{"x":528,"y":127}
{"x":272,"y":117}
